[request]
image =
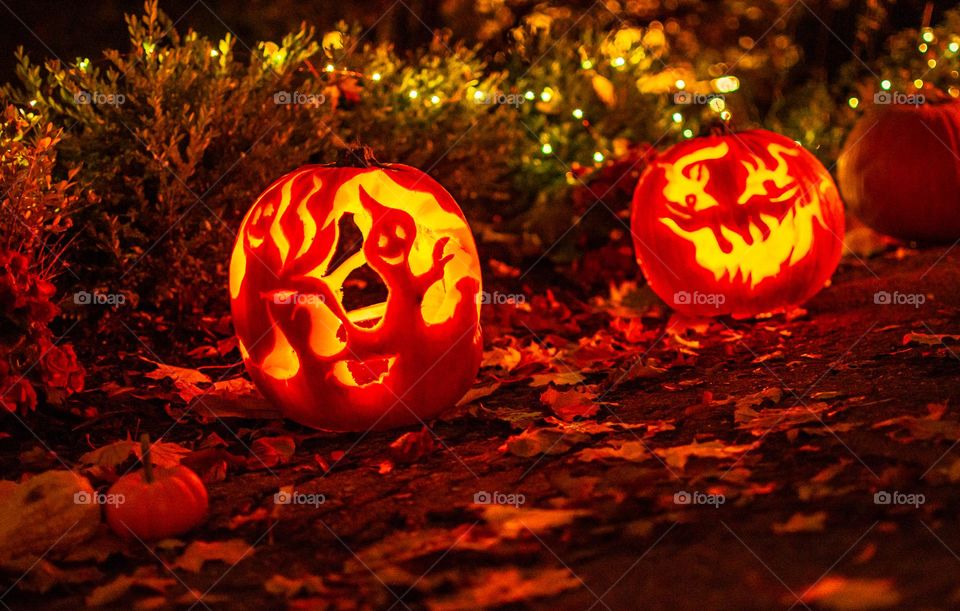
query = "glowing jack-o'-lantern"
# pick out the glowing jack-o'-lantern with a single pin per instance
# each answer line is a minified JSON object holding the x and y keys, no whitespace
{"x":336,"y":360}
{"x":736,"y":223}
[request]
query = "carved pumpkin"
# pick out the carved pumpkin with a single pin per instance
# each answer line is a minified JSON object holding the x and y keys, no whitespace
{"x":899,"y":170}
{"x":345,"y":362}
{"x":736,"y":223}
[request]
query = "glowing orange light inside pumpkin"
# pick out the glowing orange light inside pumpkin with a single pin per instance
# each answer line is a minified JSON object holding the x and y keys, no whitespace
{"x":316,"y":235}
{"x":737,"y":224}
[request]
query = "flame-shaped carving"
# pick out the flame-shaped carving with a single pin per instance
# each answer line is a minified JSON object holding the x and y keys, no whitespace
{"x":760,"y":218}
{"x":384,"y":363}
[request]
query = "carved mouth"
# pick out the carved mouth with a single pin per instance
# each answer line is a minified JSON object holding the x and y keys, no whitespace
{"x":753,"y":221}
{"x":753,"y":241}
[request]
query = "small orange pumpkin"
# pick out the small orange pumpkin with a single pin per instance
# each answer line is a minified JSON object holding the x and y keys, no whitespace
{"x":153,"y":504}
{"x":900,"y":170}
{"x":736,"y":223}
{"x":338,"y":362}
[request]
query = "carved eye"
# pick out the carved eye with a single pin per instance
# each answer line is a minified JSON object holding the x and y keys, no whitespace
{"x":691,"y":200}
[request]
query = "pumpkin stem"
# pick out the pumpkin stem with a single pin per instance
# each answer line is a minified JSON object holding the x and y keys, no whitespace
{"x":357,"y":156}
{"x":145,"y":457}
{"x":718,"y":127}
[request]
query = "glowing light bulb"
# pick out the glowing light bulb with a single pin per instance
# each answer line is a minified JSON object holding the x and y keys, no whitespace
{"x":577,"y":113}
{"x":677,"y":117}
{"x":529,"y":95}
{"x":928,"y":36}
{"x":923,"y":47}
{"x":586,"y":64}
{"x":375,"y":76}
{"x":853,"y":102}
{"x":435,"y":99}
{"x":918,"y":84}
{"x":932,"y":63}
{"x":688,"y":133}
{"x":618,"y":62}
{"x":478,"y":95}
{"x":681,"y":84}
{"x":725,"y":115}
{"x":329,"y":68}
{"x":413,"y":94}
{"x":214,"y":53}
{"x":547,"y":149}
{"x":954,"y":47}
{"x":725,"y":84}
{"x":717,"y":104}
{"x":885,"y":85}
{"x":546,"y":95}
{"x":598,"y":157}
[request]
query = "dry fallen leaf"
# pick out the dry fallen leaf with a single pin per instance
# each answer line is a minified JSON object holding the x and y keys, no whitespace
{"x":144,"y":577}
{"x":678,"y":456}
{"x":534,"y":441}
{"x":411,"y":447}
{"x":291,"y":588}
{"x":570,"y":404}
{"x":162,"y":453}
{"x":271,"y":451}
{"x":929,"y":339}
{"x":509,"y":522}
{"x":842,"y":593}
{"x":633,"y":451}
{"x":930,"y":426}
{"x":478,"y":392}
{"x":496,"y":587}
{"x":802,"y":522}
{"x":560,"y":379}
{"x":197,"y":553}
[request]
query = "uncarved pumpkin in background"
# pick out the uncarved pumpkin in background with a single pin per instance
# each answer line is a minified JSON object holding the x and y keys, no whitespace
{"x":737,"y":223}
{"x":899,"y":171}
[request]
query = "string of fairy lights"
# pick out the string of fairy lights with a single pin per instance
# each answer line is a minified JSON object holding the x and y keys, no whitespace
{"x":715,"y":101}
{"x":711,"y":92}
{"x":935,"y":54}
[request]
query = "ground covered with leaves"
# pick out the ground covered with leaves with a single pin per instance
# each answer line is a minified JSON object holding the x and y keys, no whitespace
{"x":610,"y":455}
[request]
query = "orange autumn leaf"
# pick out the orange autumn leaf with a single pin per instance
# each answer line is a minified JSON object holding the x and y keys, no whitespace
{"x":570,"y":404}
{"x":842,"y":593}
{"x":802,"y":522}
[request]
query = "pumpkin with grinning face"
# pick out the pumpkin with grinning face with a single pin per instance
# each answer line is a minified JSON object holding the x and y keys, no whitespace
{"x":327,"y":358}
{"x":737,"y":223}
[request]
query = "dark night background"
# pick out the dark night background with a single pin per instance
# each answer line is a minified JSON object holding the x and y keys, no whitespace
{"x":83,"y":29}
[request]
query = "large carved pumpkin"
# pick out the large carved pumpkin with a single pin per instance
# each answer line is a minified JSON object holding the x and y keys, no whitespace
{"x":338,"y":361}
{"x":900,"y":170}
{"x":736,"y":223}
